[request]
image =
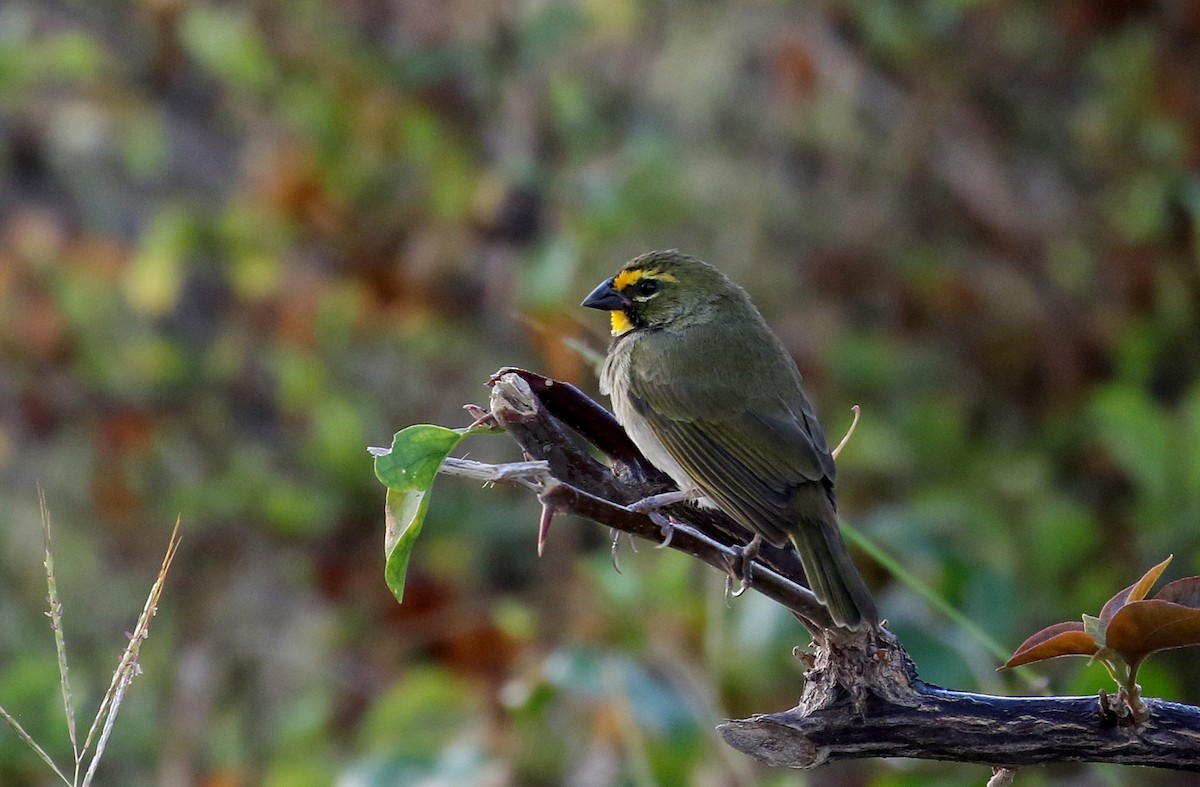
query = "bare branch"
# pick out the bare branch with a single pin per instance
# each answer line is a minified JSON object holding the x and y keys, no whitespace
{"x":862,"y":696}
{"x":528,"y":474}
{"x":538,"y":428}
{"x":931,"y":723}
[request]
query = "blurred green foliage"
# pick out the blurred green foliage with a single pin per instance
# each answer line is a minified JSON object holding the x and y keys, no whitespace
{"x":241,"y":242}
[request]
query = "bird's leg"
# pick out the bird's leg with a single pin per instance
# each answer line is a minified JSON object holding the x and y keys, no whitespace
{"x":650,"y":505}
{"x":740,"y":567}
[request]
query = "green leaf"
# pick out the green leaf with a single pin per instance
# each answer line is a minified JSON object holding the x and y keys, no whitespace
{"x":408,"y":471}
{"x":415,"y":456}
{"x":404,"y":513}
{"x":1094,"y":627}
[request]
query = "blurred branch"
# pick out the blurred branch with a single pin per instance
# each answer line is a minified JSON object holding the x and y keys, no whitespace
{"x":862,"y":697}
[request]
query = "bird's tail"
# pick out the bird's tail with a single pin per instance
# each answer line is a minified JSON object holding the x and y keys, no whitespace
{"x":831,"y":573}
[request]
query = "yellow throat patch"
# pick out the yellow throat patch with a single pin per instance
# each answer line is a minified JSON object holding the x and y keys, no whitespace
{"x":619,"y":322}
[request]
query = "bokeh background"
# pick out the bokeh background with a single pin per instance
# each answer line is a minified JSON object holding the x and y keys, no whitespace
{"x":240,"y":242}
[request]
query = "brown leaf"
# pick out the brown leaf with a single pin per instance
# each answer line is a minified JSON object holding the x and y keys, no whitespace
{"x":1143,"y":627}
{"x":1184,"y":591}
{"x":1061,"y":639}
{"x":1135,"y":592}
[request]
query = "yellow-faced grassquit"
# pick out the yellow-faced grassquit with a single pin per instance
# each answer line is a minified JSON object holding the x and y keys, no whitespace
{"x":713,"y":399}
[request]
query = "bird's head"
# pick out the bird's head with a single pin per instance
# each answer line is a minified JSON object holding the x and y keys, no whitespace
{"x":659,"y":288}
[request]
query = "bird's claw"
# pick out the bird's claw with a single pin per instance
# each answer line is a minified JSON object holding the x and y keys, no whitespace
{"x":740,"y":568}
{"x":616,"y":548}
{"x":665,"y":527}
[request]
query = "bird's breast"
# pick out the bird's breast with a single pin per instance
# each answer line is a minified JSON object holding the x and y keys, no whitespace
{"x":614,"y":381}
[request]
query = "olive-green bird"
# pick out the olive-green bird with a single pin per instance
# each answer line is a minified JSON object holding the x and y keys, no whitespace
{"x":713,"y":399}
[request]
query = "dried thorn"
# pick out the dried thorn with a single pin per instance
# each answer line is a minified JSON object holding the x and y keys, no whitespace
{"x":807,"y":657}
{"x":544,"y":526}
{"x":482,"y":417}
{"x":1002,"y":777}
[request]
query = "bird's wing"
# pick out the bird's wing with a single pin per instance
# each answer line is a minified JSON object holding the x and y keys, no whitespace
{"x":748,"y":456}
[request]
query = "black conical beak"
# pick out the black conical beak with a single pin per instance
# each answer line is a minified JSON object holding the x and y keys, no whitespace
{"x":606,"y":297}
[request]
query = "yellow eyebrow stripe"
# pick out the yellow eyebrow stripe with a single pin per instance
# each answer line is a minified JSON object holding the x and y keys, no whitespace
{"x":632,"y":276}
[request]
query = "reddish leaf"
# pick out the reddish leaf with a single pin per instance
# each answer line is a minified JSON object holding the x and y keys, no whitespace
{"x":1185,"y":592}
{"x":1061,"y":639}
{"x":1135,"y":592}
{"x":1143,"y":627}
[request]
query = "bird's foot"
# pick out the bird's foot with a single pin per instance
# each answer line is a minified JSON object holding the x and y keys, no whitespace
{"x":740,"y":567}
{"x":651,"y":505}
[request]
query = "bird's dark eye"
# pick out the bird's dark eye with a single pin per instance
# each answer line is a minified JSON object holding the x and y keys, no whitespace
{"x":647,"y":287}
